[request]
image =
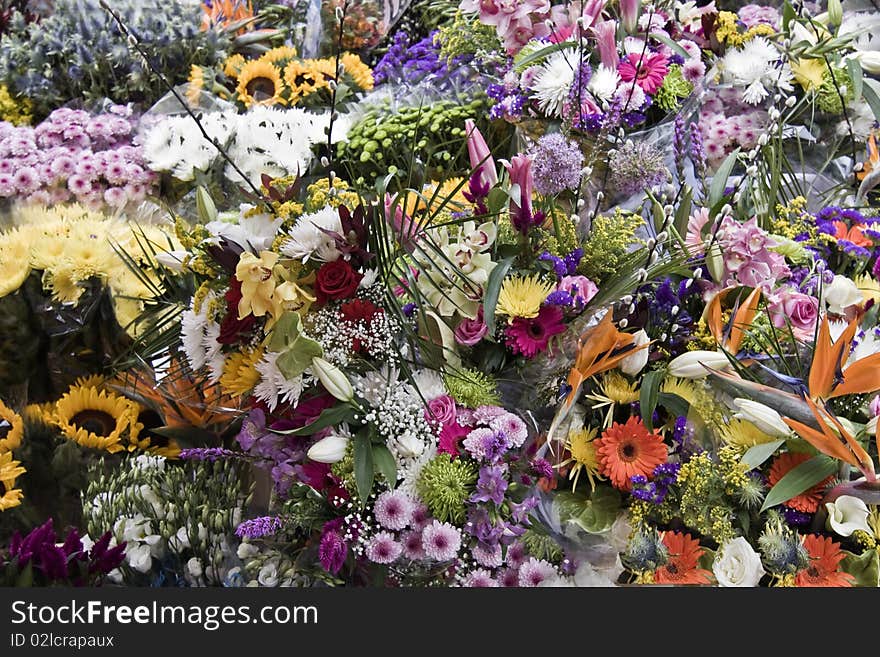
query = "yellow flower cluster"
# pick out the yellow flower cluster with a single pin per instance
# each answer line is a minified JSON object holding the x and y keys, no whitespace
{"x":727,"y":31}
{"x":318,"y":195}
{"x":11,"y":431}
{"x":793,"y":219}
{"x":279,"y":77}
{"x":69,"y":246}
{"x":15,"y":110}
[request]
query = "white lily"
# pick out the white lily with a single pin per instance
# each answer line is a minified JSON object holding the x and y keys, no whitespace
{"x":333,"y":379}
{"x":634,"y":363}
{"x":329,"y":449}
{"x":846,"y":514}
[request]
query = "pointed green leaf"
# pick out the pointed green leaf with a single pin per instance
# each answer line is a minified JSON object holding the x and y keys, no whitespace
{"x":757,"y":454}
{"x":855,"y":73}
{"x":363,"y":467}
{"x":673,"y":403}
{"x":683,"y":212}
{"x":669,"y":43}
{"x":385,"y":464}
{"x":719,"y":180}
{"x":493,"y":289}
{"x":296,"y":350}
{"x":649,"y":396}
{"x":807,"y":474}
{"x":329,"y":417}
{"x":788,"y":15}
{"x":871,"y":97}
{"x":205,"y":207}
{"x":522,"y":63}
{"x":496,"y":200}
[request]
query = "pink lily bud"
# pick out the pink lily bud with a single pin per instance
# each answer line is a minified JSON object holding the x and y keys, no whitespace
{"x":606,"y":42}
{"x":629,"y":15}
{"x":405,"y":229}
{"x":480,"y":155}
{"x":520,"y":171}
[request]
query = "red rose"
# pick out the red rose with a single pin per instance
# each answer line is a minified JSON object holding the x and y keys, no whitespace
{"x":336,"y":280}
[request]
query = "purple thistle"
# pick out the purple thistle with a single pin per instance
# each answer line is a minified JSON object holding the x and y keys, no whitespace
{"x":259,"y":527}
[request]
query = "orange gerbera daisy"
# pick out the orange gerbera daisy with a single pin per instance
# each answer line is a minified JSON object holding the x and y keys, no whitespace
{"x":629,"y":449}
{"x":808,"y":501}
{"x":825,"y":558}
{"x":854,"y":234}
{"x":683,"y":565}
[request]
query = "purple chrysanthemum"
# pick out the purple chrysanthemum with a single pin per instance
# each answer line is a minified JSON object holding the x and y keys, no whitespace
{"x":441,"y":541}
{"x":512,"y":426}
{"x":393,"y":509}
{"x":516,"y":555}
{"x":487,"y":555}
{"x":382,"y":548}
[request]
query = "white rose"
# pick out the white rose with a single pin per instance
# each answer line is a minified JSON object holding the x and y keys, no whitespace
{"x":268,"y":575}
{"x":140,"y":558}
{"x":247,"y":550}
{"x":737,"y":564}
{"x":634,"y":363}
{"x":846,"y":514}
{"x":840,"y":294}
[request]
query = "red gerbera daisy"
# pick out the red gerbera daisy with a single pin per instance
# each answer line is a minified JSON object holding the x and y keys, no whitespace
{"x":682,"y":567}
{"x":825,"y":558}
{"x":806,"y":502}
{"x":629,"y":449}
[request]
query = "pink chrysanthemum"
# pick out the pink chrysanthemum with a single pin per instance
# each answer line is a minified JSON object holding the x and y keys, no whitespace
{"x":441,"y":541}
{"x":26,"y":180}
{"x":486,"y":413}
{"x":421,"y":516}
{"x":479,"y":579}
{"x":515,"y":429}
{"x":534,"y":571}
{"x":509,"y":578}
{"x":648,"y":72}
{"x":393,"y":509}
{"x":490,"y":557}
{"x":531,"y":336}
{"x":693,"y":70}
{"x":412,"y":545}
{"x":516,"y":555}
{"x":382,"y":548}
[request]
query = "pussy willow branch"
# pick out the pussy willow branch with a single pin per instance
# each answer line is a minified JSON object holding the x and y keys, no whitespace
{"x":132,"y":40}
{"x":340,"y":15}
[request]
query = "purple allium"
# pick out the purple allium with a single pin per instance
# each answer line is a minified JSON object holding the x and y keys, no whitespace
{"x":259,"y":527}
{"x":488,"y":555}
{"x":636,"y":166}
{"x":441,"y":541}
{"x":479,"y":578}
{"x":534,"y":571}
{"x":332,"y":549}
{"x":394,"y":509}
{"x":412,"y":545}
{"x":556,"y":164}
{"x":382,"y":548}
{"x":491,"y":485}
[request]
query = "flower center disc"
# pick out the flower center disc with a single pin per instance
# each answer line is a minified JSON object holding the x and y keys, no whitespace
{"x":261,"y":88}
{"x":99,"y":423}
{"x":627,"y":452}
{"x":5,"y":428}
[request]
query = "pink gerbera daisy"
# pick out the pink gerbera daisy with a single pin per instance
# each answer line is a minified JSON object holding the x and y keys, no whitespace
{"x":531,"y":336}
{"x":648,"y":72}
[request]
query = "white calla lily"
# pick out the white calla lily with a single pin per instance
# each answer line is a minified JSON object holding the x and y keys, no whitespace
{"x":846,"y":514}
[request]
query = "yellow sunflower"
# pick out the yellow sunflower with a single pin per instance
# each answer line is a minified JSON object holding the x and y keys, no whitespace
{"x":358,"y":71}
{"x":196,"y":84}
{"x":9,"y":471}
{"x":94,"y":418}
{"x":11,"y":429}
{"x":303,"y":79}
{"x":145,"y":436}
{"x":259,"y":83}
{"x":233,"y":65}
{"x":279,"y":54}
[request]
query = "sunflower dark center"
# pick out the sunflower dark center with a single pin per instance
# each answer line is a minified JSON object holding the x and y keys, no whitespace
{"x":5,"y":428}
{"x":99,"y":423}
{"x":260,"y":88}
{"x":152,"y":420}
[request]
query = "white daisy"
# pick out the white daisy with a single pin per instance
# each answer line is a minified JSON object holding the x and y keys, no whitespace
{"x":274,"y":387}
{"x":604,"y":83}
{"x":552,"y":82}
{"x":307,"y":240}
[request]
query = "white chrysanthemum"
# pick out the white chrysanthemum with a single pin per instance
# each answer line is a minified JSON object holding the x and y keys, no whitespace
{"x":631,"y":96}
{"x":176,"y":145}
{"x":307,"y":240}
{"x":274,"y":387}
{"x":604,"y":83}
{"x":429,"y":383}
{"x":213,"y":354}
{"x":193,"y":328}
{"x":255,"y":232}
{"x":755,"y":68}
{"x":552,"y":82}
{"x":409,"y":471}
{"x":374,"y":386}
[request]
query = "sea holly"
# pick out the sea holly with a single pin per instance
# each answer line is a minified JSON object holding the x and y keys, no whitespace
{"x":296,"y":349}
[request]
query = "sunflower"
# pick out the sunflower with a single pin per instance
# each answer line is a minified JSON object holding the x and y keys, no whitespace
{"x":233,"y":65}
{"x":259,"y":83}
{"x":93,"y":418}
{"x":303,"y":79}
{"x":196,"y":84}
{"x":825,"y":558}
{"x":683,"y":564}
{"x":581,"y":446}
{"x":808,"y":501}
{"x":629,"y":449}
{"x":358,"y":71}
{"x":522,"y":296}
{"x":9,"y":470}
{"x":11,"y":429}
{"x":279,"y":54}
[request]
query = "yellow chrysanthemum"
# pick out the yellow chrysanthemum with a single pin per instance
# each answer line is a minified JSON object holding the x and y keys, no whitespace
{"x":12,"y":274}
{"x":259,"y":83}
{"x":240,"y":374}
{"x":9,"y":471}
{"x":359,"y":72}
{"x":869,"y":287}
{"x":94,"y":418}
{"x":63,"y":284}
{"x":809,"y":73}
{"x":522,"y":296}
{"x":128,"y":311}
{"x":233,"y":65}
{"x":743,"y":433}
{"x":11,"y":429}
{"x":584,"y":456}
{"x":618,"y":389}
{"x":682,"y":388}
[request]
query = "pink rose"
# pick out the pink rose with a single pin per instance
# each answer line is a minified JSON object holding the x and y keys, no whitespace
{"x":580,"y":287}
{"x":801,"y":310}
{"x":470,"y":331}
{"x":442,"y":409}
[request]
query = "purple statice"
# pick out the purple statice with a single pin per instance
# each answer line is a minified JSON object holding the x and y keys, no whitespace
{"x":853,"y":250}
{"x":422,"y":63}
{"x":332,"y":549}
{"x":684,"y":444}
{"x":491,"y":485}
{"x":655,"y":491}
{"x":636,"y":166}
{"x":591,"y":122}
{"x":796,"y":518}
{"x":668,"y":321}
{"x":509,"y":102}
{"x":556,"y":164}
{"x":565,"y":266}
{"x":259,"y":527}
{"x":875,"y":270}
{"x":206,"y":454}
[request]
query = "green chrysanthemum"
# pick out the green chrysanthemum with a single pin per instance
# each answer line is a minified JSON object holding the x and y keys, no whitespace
{"x":674,"y":88}
{"x":541,"y":546}
{"x":472,"y":388}
{"x":828,"y":96}
{"x":445,"y":485}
